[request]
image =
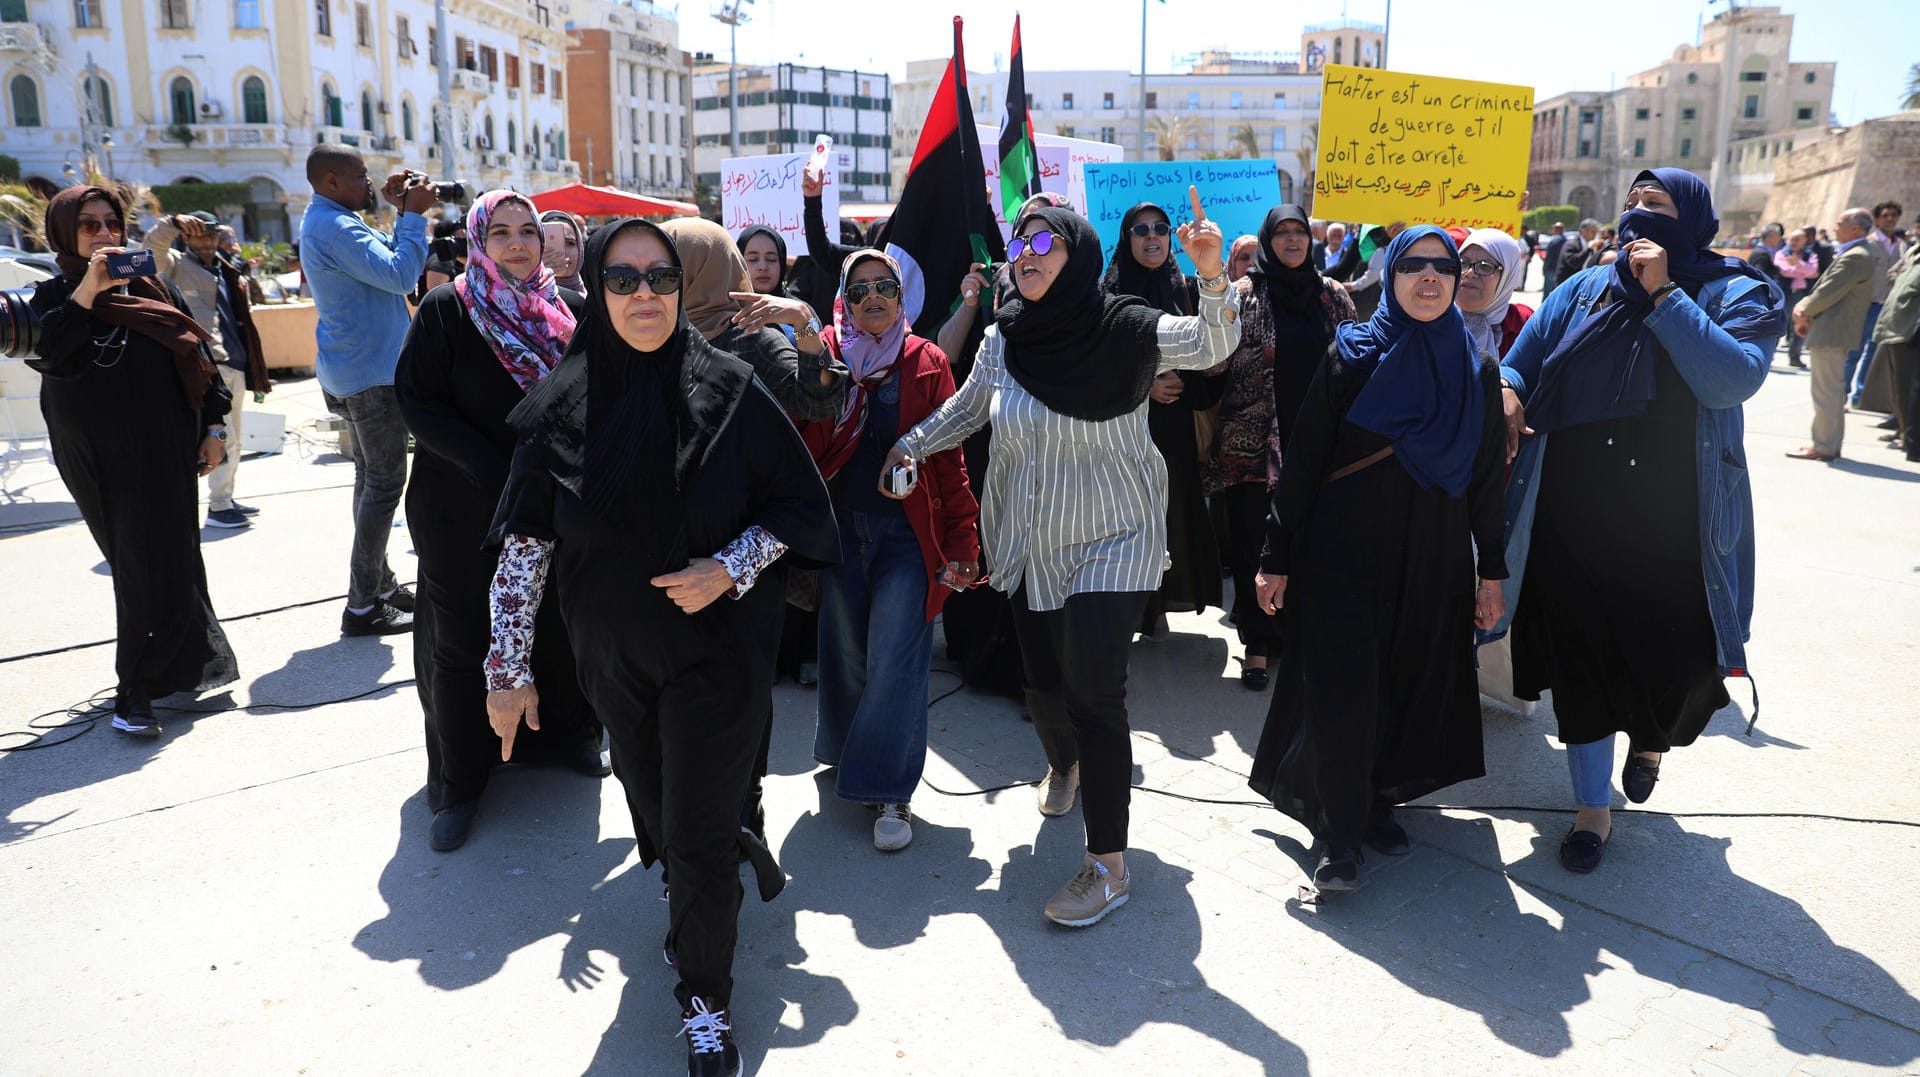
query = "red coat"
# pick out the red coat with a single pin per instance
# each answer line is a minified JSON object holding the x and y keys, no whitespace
{"x":941,"y":508}
{"x":1511,"y":325}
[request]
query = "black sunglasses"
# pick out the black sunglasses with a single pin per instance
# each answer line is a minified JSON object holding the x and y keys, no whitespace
{"x":625,"y":280}
{"x":1157,"y":228}
{"x":886,"y":286}
{"x":1413,"y":265}
{"x":1040,"y":243}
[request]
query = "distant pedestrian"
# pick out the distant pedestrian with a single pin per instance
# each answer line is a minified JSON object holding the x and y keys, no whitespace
{"x":1831,"y":317}
{"x":1897,"y":336}
{"x":1550,"y":259}
{"x":1797,"y":266}
{"x":1886,"y":249}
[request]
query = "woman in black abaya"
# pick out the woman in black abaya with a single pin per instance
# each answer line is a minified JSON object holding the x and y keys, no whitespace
{"x":670,"y":493}
{"x":136,"y":414}
{"x":1395,"y":468}
{"x":1143,"y":265}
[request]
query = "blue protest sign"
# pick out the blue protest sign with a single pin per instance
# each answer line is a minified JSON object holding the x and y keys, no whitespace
{"x":1235,"y":194}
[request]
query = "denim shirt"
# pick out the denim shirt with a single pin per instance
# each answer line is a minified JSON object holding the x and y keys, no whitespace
{"x":359,"y":279}
{"x":1723,"y":371}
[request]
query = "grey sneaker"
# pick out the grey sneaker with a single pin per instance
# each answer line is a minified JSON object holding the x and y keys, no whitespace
{"x":1089,"y":896}
{"x":893,"y":830}
{"x":1057,"y":790}
{"x":227,"y":518}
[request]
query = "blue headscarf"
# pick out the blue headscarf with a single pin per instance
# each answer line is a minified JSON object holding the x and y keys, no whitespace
{"x":1604,"y":367}
{"x":1424,"y":390}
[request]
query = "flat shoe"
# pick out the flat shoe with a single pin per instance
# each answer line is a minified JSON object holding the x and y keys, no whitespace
{"x":1810,"y":453}
{"x":1582,"y":850}
{"x":1637,"y":778}
{"x":451,"y":826}
{"x":1254,"y":678}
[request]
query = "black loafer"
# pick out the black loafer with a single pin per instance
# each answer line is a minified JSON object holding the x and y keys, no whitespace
{"x":1637,"y":778}
{"x":1582,"y":850}
{"x":452,"y":825}
{"x":1339,"y":870}
{"x":1385,"y":834}
{"x":1254,"y":678}
{"x":587,"y":758}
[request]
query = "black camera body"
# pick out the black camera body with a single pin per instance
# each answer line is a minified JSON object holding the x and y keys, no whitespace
{"x":449,"y":249}
{"x":444,"y":190}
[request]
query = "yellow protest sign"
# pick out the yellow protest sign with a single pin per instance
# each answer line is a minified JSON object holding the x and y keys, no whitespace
{"x":1396,"y":146}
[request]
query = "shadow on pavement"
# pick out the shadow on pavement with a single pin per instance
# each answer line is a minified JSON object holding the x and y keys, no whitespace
{"x":338,"y":669}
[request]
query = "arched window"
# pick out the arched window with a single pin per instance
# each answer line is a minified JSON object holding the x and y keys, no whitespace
{"x":533,"y":141}
{"x":406,"y":120}
{"x":488,"y":125}
{"x":180,"y":100}
{"x":331,"y":107}
{"x":26,"y":101}
{"x":98,"y":95}
{"x":253,"y":100}
{"x":513,"y":146}
{"x":366,"y":111}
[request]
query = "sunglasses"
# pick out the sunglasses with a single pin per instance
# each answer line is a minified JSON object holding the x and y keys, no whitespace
{"x":94,"y":224}
{"x":1483,"y":267}
{"x":1413,"y":266}
{"x":625,"y":280}
{"x":1040,"y":243}
{"x":1157,"y":228}
{"x":886,"y":286}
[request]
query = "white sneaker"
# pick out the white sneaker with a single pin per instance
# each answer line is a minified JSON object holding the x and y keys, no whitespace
{"x":893,"y":830}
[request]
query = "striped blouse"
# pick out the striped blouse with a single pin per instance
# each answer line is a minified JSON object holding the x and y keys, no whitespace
{"x":1072,"y":506}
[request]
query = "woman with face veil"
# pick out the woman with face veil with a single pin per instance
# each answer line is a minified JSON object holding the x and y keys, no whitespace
{"x":1393,"y":471}
{"x":671,"y":494}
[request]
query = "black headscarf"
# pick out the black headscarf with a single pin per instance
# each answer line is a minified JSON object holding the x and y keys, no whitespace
{"x":1296,"y":290}
{"x":1080,"y":351}
{"x":1166,"y":287}
{"x":779,"y":246}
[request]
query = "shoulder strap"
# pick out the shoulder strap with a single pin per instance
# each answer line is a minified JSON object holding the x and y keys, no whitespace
{"x":1359,"y":465}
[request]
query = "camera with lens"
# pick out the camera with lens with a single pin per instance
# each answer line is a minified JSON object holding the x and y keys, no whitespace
{"x":444,"y":190}
{"x":19,"y":323}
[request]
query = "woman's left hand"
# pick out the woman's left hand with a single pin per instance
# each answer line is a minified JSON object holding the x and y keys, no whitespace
{"x":1648,"y":261}
{"x":960,"y":574}
{"x":1489,"y":605}
{"x":695,"y":587}
{"x":1201,"y":239}
{"x":759,"y":311}
{"x":213,"y":452}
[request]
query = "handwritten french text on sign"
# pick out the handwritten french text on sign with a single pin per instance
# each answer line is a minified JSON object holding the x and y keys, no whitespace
{"x":765,"y":191}
{"x":1401,"y":147}
{"x":1235,"y":194}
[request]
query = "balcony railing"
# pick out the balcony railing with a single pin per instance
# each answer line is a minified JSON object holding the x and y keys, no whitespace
{"x":23,"y":37}
{"x":471,"y":81}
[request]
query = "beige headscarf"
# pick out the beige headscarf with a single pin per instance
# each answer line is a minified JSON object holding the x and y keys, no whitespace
{"x":713,"y":268}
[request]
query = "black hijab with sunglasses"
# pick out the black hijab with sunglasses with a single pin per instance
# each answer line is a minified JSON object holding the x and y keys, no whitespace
{"x":1079,"y":350}
{"x":1166,"y":287}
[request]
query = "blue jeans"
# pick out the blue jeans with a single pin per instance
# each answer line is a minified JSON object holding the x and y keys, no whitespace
{"x":1860,"y":360}
{"x":1591,"y":768}
{"x":875,"y":648}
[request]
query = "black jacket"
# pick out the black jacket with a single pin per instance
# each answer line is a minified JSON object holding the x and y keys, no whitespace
{"x":792,"y":376}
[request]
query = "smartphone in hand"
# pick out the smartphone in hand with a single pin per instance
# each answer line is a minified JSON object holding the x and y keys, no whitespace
{"x":126,"y":265}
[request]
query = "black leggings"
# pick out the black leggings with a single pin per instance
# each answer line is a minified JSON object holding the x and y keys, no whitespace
{"x":1076,"y":662}
{"x":1247,"y":507}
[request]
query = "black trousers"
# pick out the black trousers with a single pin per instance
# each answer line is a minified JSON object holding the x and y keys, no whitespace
{"x":1246,"y":511}
{"x":684,"y":742}
{"x":1076,"y":662}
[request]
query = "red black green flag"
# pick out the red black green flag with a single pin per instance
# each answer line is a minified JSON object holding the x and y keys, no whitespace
{"x":1019,"y":163}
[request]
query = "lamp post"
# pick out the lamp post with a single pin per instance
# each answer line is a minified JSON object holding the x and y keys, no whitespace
{"x":733,"y":13}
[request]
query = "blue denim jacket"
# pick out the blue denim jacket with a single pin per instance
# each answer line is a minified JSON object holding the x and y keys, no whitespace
{"x":1723,"y":371}
{"x":359,"y":279}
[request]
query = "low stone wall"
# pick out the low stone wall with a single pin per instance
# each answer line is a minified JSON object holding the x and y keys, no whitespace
{"x":1867,"y":163}
{"x":286,"y":334}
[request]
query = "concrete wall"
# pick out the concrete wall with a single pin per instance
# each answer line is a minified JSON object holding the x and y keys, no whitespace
{"x":1872,"y":161}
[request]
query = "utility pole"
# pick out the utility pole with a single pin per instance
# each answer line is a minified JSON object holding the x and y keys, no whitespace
{"x":1143,"y":80}
{"x":443,"y":107}
{"x":733,"y":13}
{"x":589,"y":160}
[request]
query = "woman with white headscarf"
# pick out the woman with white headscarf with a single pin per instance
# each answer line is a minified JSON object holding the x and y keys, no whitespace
{"x":1493,"y":265}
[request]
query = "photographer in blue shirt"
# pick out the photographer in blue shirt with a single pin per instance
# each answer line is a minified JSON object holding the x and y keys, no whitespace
{"x":359,"y":280}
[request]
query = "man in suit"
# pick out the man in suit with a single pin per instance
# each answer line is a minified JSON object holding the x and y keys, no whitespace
{"x":1582,"y":251}
{"x":1550,"y":262}
{"x":1832,"y":318}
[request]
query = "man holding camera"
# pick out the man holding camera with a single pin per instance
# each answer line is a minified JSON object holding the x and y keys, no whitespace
{"x":360,"y":279}
{"x":217,"y":298}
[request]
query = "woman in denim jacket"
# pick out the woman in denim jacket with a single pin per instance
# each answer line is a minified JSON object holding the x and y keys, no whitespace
{"x":1636,"y":510}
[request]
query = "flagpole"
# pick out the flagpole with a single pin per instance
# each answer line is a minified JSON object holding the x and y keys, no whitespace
{"x":1142,"y":151}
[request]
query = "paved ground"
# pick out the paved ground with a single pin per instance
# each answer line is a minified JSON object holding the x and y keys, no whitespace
{"x":253,"y":893}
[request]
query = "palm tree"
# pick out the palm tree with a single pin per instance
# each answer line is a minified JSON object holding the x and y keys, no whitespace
{"x":1169,"y":132}
{"x":1308,"y":157}
{"x":1247,"y":141}
{"x":23,"y":213}
{"x":1912,"y":99}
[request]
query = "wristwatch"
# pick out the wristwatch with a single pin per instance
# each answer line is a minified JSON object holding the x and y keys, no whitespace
{"x":811,"y":329}
{"x":217,"y":432}
{"x":1215,"y":284}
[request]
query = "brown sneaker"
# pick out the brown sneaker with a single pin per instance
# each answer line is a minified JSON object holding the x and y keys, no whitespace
{"x":1057,"y":790}
{"x":1088,"y":897}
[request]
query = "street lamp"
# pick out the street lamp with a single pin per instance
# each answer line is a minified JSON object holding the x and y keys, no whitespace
{"x":733,"y":13}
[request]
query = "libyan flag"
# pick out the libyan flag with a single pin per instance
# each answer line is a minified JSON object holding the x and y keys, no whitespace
{"x":1019,"y":163}
{"x":943,"y":222}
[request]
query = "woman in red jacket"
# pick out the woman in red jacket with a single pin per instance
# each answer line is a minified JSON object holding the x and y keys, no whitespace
{"x":900,"y":557}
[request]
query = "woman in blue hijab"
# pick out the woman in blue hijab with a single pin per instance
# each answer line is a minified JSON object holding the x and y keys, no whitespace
{"x":1630,"y":500}
{"x":1391,"y":477}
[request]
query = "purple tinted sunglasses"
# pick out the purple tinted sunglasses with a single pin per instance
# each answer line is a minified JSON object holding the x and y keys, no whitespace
{"x":1040,"y":243}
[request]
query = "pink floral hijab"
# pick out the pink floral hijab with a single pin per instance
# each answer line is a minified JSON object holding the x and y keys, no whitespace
{"x":524,"y":320}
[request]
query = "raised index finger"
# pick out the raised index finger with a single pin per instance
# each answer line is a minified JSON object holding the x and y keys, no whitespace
{"x":1193,"y":196}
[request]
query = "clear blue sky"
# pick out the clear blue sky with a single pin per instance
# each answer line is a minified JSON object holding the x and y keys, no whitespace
{"x":1534,"y":42}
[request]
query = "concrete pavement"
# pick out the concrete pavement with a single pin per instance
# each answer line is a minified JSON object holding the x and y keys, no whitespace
{"x":253,"y":892}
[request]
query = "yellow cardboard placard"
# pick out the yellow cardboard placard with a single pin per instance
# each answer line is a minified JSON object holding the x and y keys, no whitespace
{"x":1396,"y":146}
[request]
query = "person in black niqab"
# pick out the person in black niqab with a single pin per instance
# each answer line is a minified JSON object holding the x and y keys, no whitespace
{"x":672,"y":494}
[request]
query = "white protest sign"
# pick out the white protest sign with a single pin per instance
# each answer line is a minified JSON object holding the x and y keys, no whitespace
{"x":765,"y":192}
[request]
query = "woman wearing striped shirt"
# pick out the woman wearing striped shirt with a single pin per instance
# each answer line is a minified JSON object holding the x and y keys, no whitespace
{"x":1074,"y":506}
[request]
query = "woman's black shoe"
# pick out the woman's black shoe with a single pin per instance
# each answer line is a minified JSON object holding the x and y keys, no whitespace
{"x":1339,"y":870}
{"x":451,"y":826}
{"x":1582,"y":850}
{"x":1385,"y":834}
{"x":1254,"y":678}
{"x":1637,"y":777}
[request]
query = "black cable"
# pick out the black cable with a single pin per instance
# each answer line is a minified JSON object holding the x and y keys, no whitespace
{"x":82,"y":716}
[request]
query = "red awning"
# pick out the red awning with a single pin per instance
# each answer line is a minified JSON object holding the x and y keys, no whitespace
{"x":588,"y":201}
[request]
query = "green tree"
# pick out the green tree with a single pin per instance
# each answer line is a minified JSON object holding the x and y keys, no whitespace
{"x":1308,"y":156}
{"x":1912,"y":98}
{"x":1169,"y":132}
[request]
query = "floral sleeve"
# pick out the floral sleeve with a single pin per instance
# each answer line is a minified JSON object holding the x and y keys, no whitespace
{"x":746,"y":557}
{"x":518,"y":584}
